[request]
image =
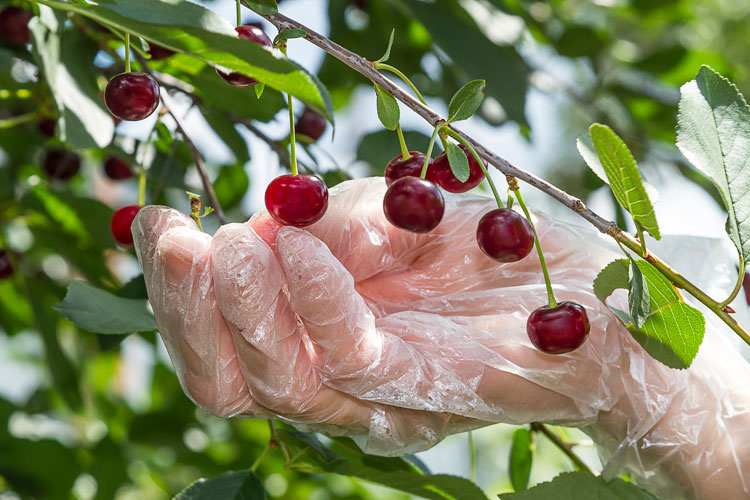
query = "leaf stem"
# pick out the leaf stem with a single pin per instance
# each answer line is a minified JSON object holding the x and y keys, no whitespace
{"x":566,"y":448}
{"x":428,"y":154}
{"x":517,"y":191}
{"x":481,"y":164}
{"x":641,"y":238}
{"x":18,"y":120}
{"x":127,"y":52}
{"x":405,"y":154}
{"x":398,"y":73}
{"x":737,"y":286}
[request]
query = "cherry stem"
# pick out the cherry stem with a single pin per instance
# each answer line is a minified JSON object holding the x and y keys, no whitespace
{"x":405,"y":154}
{"x":398,"y":73}
{"x":550,"y":293}
{"x":479,"y":161}
{"x":239,"y":13}
{"x":127,"y":52}
{"x":737,"y":286}
{"x":142,"y":163}
{"x":428,"y":155}
{"x":292,"y":139}
{"x":564,"y":447}
{"x":260,"y":458}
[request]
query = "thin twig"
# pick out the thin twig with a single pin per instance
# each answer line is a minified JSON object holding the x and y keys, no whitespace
{"x":167,"y":101}
{"x":273,"y":144}
{"x":566,"y":448}
{"x":366,"y":68}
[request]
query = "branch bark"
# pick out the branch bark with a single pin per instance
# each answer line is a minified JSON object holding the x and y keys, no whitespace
{"x":366,"y":68}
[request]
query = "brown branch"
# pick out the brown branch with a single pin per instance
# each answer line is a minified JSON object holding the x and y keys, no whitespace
{"x":366,"y":68}
{"x":196,"y":157}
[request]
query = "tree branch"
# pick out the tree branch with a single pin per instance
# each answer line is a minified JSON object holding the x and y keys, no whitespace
{"x":365,"y":68}
{"x":196,"y":157}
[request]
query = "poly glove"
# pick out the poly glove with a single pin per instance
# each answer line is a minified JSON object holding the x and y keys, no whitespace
{"x":355,"y":327}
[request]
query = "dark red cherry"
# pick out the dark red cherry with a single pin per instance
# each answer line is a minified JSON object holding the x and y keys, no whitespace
{"x":558,"y":329}
{"x":117,"y":169}
{"x":411,"y":167}
{"x":255,"y":35}
{"x":157,"y":52}
{"x":61,"y":164}
{"x":449,"y":182}
{"x":132,"y":96}
{"x":311,"y":124}
{"x":414,"y":204}
{"x":120,"y":224}
{"x":47,"y":126}
{"x":297,"y":200}
{"x":6,"y":270}
{"x":14,"y":25}
{"x":505,"y":235}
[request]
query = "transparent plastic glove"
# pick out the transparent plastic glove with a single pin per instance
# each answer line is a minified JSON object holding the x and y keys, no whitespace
{"x":358,"y":328}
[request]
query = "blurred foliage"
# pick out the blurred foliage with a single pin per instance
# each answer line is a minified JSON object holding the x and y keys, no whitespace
{"x":81,"y":433}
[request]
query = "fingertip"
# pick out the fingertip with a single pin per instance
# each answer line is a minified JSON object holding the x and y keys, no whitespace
{"x":266,"y":227}
{"x":150,"y":224}
{"x":180,"y":250}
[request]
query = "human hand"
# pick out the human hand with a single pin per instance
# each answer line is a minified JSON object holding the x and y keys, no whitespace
{"x":356,"y":327}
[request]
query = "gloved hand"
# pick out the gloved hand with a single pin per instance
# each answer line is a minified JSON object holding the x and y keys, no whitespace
{"x":355,"y":327}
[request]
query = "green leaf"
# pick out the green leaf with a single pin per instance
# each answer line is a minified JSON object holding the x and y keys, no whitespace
{"x":638,"y":296}
{"x":615,"y":275}
{"x":624,"y":178}
{"x":466,"y":101}
{"x":713,"y":133}
{"x":673,"y":330}
{"x":259,"y":88}
{"x":65,"y":57}
{"x":262,"y":7}
{"x":521,"y":458}
{"x":99,"y":311}
{"x":582,"y":486}
{"x":231,"y":185}
{"x":189,"y":28}
{"x":288,"y":35}
{"x":233,"y":485}
{"x":388,"y":110}
{"x":387,"y":54}
{"x":458,"y":162}
{"x":345,"y":458}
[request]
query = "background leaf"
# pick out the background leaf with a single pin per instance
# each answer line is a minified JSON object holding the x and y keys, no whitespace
{"x":714,"y":134}
{"x":582,"y":486}
{"x":98,"y":311}
{"x":233,"y":485}
{"x":624,"y":178}
{"x":521,"y":458}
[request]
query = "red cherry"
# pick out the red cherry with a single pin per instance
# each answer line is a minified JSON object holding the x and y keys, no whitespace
{"x":157,"y":52}
{"x":504,"y":235}
{"x":449,"y":182}
{"x":255,"y":35}
{"x":411,"y":167}
{"x":6,"y":270}
{"x":297,"y":200}
{"x":132,"y":96}
{"x":558,"y":329}
{"x":14,"y":25}
{"x":414,"y":204}
{"x":116,"y":169}
{"x":311,"y":124}
{"x":47,"y":126}
{"x":120,"y":224}
{"x":61,"y":164}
